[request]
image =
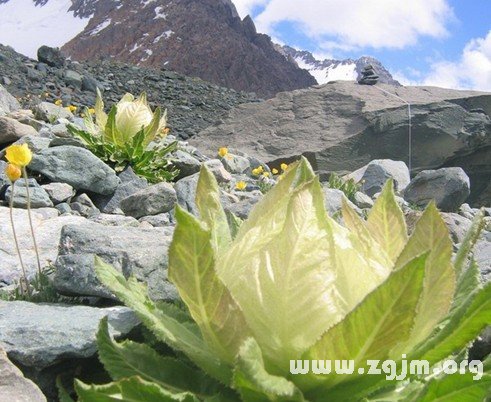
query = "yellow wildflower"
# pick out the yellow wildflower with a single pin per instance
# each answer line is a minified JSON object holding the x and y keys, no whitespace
{"x":284,"y":166}
{"x":19,"y":155}
{"x":223,"y":152}
{"x":257,"y":171}
{"x":13,"y":172}
{"x":266,"y":174}
{"x":91,"y":110}
{"x":274,"y":171}
{"x":241,"y":185}
{"x":58,"y":102}
{"x":72,"y":108}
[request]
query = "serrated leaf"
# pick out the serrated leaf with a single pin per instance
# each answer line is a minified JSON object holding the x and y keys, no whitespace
{"x":211,"y":211}
{"x":181,"y":336}
{"x":457,"y":388}
{"x":129,"y":390}
{"x":192,"y":270}
{"x":234,"y":223}
{"x":63,"y":394}
{"x":255,"y":384}
{"x":100,"y":115}
{"x":381,"y":321}
{"x":430,"y":235}
{"x":386,"y":222}
{"x":152,"y":129}
{"x":128,"y":359}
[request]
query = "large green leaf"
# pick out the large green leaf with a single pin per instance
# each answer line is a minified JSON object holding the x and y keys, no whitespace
{"x":111,"y":133}
{"x":152,"y":129}
{"x":211,"y":210}
{"x":457,"y":388}
{"x":192,"y":270}
{"x":386,"y":222}
{"x":100,"y":115}
{"x":255,"y":384}
{"x":182,"y":336}
{"x":131,"y":389}
{"x":430,"y":235}
{"x":128,"y":359}
{"x":374,"y":328}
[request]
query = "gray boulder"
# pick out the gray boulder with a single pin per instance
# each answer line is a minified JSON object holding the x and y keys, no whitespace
{"x":51,"y":56}
{"x":59,"y":192}
{"x":52,"y":333}
{"x":141,"y":252}
{"x":77,"y":167}
{"x":186,"y":163}
{"x":7,"y":102}
{"x":74,"y":79}
{"x":47,"y":225}
{"x":14,"y":386}
{"x":186,"y":193}
{"x":343,"y":126}
{"x":377,"y":173}
{"x":50,"y":112}
{"x":449,"y":187}
{"x":11,"y":130}
{"x":333,"y":201}
{"x":236,"y":164}
{"x":153,"y":200}
{"x":38,"y":195}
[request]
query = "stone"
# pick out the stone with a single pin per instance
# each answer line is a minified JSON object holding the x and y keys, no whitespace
{"x":7,"y":102}
{"x":343,"y":126}
{"x":377,"y":173}
{"x":218,"y":170}
{"x":243,"y":208}
{"x":449,"y":187}
{"x":333,"y":201}
{"x":152,"y":200}
{"x":51,"y":56}
{"x":47,"y":225}
{"x":36,"y":143}
{"x":467,"y":212}
{"x":59,"y":192}
{"x":141,"y":252}
{"x":186,"y":193}
{"x":60,"y":130}
{"x":38,"y":195}
{"x":90,"y":84}
{"x":11,"y":130}
{"x":50,"y":112}
{"x":77,"y":167}
{"x":130,"y":184}
{"x":54,"y":332}
{"x":160,"y":220}
{"x":361,"y":200}
{"x":458,"y":226}
{"x":482,"y":255}
{"x":186,"y":163}
{"x":236,"y":164}
{"x":74,"y":79}
{"x":14,"y":386}
{"x":114,"y":220}
{"x":64,"y":208}
{"x":84,"y":205}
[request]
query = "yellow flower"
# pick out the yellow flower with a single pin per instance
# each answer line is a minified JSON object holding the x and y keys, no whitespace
{"x":72,"y":108}
{"x":275,"y":171}
{"x":241,"y":185}
{"x":91,"y":110}
{"x":58,"y":102}
{"x":284,"y":166}
{"x":257,"y":171}
{"x":266,"y":174}
{"x":13,"y":172}
{"x":223,"y":152}
{"x":19,"y":155}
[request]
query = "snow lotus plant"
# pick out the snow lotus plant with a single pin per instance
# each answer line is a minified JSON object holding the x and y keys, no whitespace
{"x":129,"y":135}
{"x":290,"y":283}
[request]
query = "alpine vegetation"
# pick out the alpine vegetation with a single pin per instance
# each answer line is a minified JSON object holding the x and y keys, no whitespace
{"x":290,"y":283}
{"x":130,"y":135}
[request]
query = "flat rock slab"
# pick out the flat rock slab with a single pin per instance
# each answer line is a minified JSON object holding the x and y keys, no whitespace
{"x":14,"y":387}
{"x":137,"y":251}
{"x":47,"y":227}
{"x":40,"y":335}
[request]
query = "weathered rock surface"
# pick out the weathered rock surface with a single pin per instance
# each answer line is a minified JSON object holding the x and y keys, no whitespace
{"x":47,"y":227}
{"x":133,"y":251}
{"x":343,"y":126}
{"x":449,"y":187}
{"x":77,"y":167}
{"x":54,"y":332}
{"x":14,"y":386}
{"x":333,"y":201}
{"x":153,"y":200}
{"x":377,"y":172}
{"x":38,"y":196}
{"x":7,"y":102}
{"x":11,"y":130}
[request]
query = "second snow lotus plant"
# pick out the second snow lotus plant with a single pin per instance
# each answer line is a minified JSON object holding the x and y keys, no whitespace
{"x":290,"y":283}
{"x":131,"y":134}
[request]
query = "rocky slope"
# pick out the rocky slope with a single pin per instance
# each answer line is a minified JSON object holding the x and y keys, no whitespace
{"x":332,"y":70}
{"x":342,"y":126}
{"x":203,"y":38}
{"x":192,"y":104}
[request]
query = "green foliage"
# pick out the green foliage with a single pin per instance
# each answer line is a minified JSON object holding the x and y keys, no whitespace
{"x":348,"y":187}
{"x":129,"y":135}
{"x":291,"y":283}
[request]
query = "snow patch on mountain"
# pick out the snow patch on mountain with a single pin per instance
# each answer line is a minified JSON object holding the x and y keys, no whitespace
{"x":26,"y":26}
{"x":324,"y":74}
{"x":103,"y":25}
{"x":159,"y":13}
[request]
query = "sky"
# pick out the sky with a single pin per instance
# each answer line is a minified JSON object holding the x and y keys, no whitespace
{"x":445,"y":43}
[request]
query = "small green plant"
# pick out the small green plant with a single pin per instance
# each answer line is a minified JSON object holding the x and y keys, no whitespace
{"x":348,"y":187}
{"x":129,"y":135}
{"x":290,"y":283}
